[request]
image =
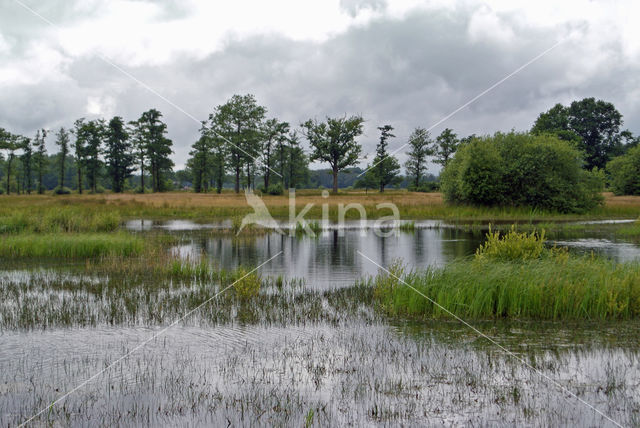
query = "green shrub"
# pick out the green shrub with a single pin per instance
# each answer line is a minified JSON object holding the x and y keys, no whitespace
{"x":246,"y":285}
{"x":61,"y":191}
{"x":426,"y":187}
{"x":275,"y":189}
{"x":519,"y":169}
{"x":512,"y":246}
{"x":624,"y":173}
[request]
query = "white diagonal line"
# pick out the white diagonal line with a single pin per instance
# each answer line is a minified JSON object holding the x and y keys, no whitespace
{"x":144,"y":85}
{"x":502,"y":348}
{"x":474,"y":99}
{"x":142,"y":344}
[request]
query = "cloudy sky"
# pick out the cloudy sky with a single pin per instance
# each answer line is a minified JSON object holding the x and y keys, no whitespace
{"x":404,"y":63}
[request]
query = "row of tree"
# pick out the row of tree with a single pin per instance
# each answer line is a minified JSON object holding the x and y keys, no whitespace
{"x":238,"y":142}
{"x":115,"y":147}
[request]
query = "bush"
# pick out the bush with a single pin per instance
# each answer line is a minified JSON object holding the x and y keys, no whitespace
{"x":624,"y":173}
{"x":518,"y":169}
{"x":275,"y":189}
{"x":246,"y":285}
{"x":427,"y":187}
{"x":61,"y":191}
{"x":513,"y":246}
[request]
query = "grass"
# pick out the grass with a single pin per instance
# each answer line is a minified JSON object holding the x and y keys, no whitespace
{"x":514,"y":276}
{"x":70,"y":245}
{"x":100,"y":212}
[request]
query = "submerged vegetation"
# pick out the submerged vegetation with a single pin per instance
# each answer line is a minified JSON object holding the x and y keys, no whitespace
{"x":514,"y":276}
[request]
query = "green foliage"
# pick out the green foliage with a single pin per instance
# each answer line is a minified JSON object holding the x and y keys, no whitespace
{"x":446,"y":145}
{"x":118,"y":153}
{"x":426,"y":187}
{"x":61,"y":191}
{"x":592,"y":125}
{"x":334,"y":142}
{"x":62,"y":142}
{"x":275,"y":189}
{"x":513,"y":246}
{"x":386,"y":168}
{"x":420,"y":148}
{"x":157,"y":147}
{"x":246,"y":285}
{"x":624,"y":173}
{"x":519,"y":169}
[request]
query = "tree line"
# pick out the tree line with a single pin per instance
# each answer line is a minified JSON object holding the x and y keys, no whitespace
{"x":239,"y":144}
{"x":113,"y":148}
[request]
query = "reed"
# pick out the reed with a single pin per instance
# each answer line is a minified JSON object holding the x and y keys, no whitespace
{"x":70,"y":245}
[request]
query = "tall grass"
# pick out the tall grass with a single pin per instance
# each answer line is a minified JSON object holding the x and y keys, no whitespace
{"x":58,"y":219}
{"x":515,"y":276}
{"x":71,"y":245}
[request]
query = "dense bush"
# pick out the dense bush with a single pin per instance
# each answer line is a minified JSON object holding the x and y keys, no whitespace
{"x":624,"y":173}
{"x":61,"y":191}
{"x":275,"y":189}
{"x":519,"y":169}
{"x":426,"y":187}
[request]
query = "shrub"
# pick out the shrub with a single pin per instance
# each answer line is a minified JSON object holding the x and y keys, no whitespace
{"x":275,"y":189}
{"x":246,"y":285}
{"x":426,"y":187}
{"x":61,"y":191}
{"x":519,"y":169}
{"x":624,"y":173}
{"x":513,"y":246}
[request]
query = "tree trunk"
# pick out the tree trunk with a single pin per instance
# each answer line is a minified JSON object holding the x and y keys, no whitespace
{"x":79,"y":180}
{"x":381,"y":188}
{"x":237,"y":184}
{"x":9,"y":174}
{"x":142,"y":176}
{"x":335,"y":180}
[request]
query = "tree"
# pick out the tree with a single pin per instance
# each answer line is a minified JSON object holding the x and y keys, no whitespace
{"x":296,"y":161}
{"x":158,"y":147}
{"x":446,"y":145}
{"x":40,"y":158}
{"x":62,"y":141}
{"x":118,"y":153}
{"x":79,"y":148}
{"x":624,"y":173}
{"x":274,"y":133}
{"x":368,"y":180}
{"x":9,"y":142}
{"x":237,"y":122}
{"x":139,"y":146}
{"x":593,"y":125}
{"x":420,"y":148}
{"x":89,"y":137}
{"x":517,"y":169}
{"x":199,"y":162}
{"x":334,"y":141}
{"x":386,"y":167}
{"x":27,"y":164}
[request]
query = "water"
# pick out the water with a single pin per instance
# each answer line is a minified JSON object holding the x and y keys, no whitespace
{"x":317,"y":353}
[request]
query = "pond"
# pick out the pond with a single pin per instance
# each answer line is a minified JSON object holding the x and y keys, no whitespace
{"x":313,"y":352}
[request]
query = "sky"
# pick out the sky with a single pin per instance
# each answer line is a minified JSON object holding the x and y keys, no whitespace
{"x":404,"y":63}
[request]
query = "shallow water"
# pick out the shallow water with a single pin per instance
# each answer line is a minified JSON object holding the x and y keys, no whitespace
{"x":316,"y":353}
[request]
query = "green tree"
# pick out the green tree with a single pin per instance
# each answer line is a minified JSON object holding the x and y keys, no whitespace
{"x":237,"y":122}
{"x":334,"y":141}
{"x":593,"y":125}
{"x":624,"y":173}
{"x":118,"y":153}
{"x":158,"y":147}
{"x":27,"y":164}
{"x":368,"y":180}
{"x":446,"y":145}
{"x":420,"y":149}
{"x":40,"y":158}
{"x":79,"y":149}
{"x":386,"y":167}
{"x":62,"y":141}
{"x":274,"y":135}
{"x":10,"y":143}
{"x":139,"y":146}
{"x":200,"y":163}
{"x":295,"y":163}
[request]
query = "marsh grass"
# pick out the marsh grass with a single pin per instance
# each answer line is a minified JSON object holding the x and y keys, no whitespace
{"x":84,"y":245}
{"x":514,"y":276}
{"x":65,"y":219}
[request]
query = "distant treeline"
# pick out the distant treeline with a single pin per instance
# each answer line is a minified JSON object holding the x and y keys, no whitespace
{"x":240,"y":147}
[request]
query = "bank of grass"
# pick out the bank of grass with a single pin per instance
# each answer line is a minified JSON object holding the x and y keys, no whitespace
{"x":71,"y":246}
{"x":516,"y":277}
{"x":101,"y":212}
